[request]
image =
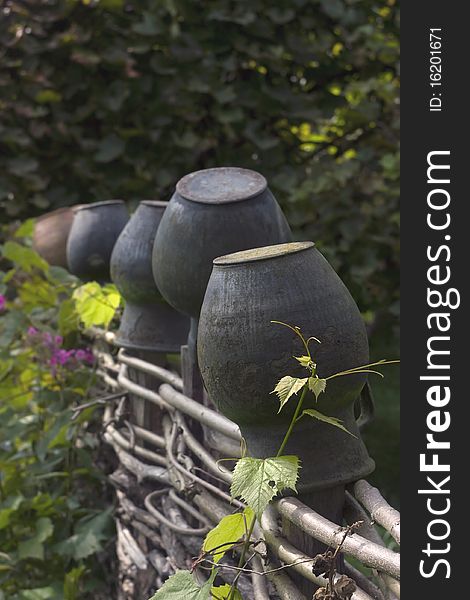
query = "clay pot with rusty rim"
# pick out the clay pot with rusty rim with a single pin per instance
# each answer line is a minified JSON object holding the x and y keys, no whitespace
{"x":50,"y":234}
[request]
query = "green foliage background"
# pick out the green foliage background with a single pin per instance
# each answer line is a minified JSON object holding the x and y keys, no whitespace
{"x":56,"y":526}
{"x":115,"y":98}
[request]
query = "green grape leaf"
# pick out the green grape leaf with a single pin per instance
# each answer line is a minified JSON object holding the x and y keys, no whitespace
{"x":227,"y":533}
{"x":96,"y":305}
{"x":321,"y":417}
{"x":287,"y":387}
{"x":182,"y":585}
{"x":258,"y":480}
{"x":23,"y":257}
{"x":221,"y":592}
{"x":316,"y":385}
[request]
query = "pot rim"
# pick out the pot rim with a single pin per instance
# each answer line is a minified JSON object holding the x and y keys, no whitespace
{"x":55,"y":212}
{"x":253,"y":184}
{"x":261,"y":254}
{"x":97,"y":204}
{"x":156,"y":203}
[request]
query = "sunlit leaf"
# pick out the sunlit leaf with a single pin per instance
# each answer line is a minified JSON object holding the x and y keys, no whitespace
{"x":288,"y":387}
{"x":227,"y":533}
{"x":96,"y":305}
{"x":316,"y":385}
{"x":222,"y":592}
{"x":258,"y":480}
{"x":305,"y":361}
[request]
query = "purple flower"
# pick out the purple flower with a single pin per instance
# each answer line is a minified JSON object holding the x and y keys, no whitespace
{"x":63,"y":356}
{"x":3,"y":302}
{"x":85,"y":356}
{"x":47,"y":339}
{"x":32,"y":331}
{"x":90,"y":357}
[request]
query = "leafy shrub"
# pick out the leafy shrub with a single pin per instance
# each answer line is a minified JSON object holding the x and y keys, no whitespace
{"x":120,"y":98}
{"x":56,"y":524}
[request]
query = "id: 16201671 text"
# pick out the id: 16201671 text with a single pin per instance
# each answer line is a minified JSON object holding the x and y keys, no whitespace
{"x":435,"y":69}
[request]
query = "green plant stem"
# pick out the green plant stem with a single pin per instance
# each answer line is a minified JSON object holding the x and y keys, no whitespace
{"x":241,"y":562}
{"x":293,"y":421}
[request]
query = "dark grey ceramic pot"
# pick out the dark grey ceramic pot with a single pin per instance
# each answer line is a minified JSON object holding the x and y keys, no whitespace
{"x":148,"y":322}
{"x":94,"y":231}
{"x":212,"y":212}
{"x":242,"y":355}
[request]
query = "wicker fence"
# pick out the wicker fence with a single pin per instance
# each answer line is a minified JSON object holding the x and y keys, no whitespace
{"x":171,"y":490}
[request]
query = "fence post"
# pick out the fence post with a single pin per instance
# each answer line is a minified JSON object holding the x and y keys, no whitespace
{"x":211,"y":213}
{"x":243,"y":355}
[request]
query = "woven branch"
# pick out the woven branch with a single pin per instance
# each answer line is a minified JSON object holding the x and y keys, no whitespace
{"x":177,"y":457}
{"x":378,"y":507}
{"x":370,"y":554}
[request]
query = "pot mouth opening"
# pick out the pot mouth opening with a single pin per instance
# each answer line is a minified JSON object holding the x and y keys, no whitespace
{"x":221,"y":185}
{"x":156,"y":203}
{"x":97,"y":204}
{"x":263,"y":253}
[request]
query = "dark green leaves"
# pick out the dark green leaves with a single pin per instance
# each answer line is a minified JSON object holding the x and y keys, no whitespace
{"x":54,"y":511}
{"x":151,"y":94}
{"x":109,"y":149}
{"x":34,"y":546}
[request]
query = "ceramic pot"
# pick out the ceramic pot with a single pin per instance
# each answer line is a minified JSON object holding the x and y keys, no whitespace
{"x":148,"y":322}
{"x":212,"y":212}
{"x":94,"y":232}
{"x":242,"y":355}
{"x":50,"y":235}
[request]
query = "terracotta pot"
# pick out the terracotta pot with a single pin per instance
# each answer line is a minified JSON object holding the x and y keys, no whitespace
{"x":242,"y":355}
{"x":93,"y":234}
{"x":212,"y":212}
{"x":50,"y":234}
{"x":148,"y":322}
